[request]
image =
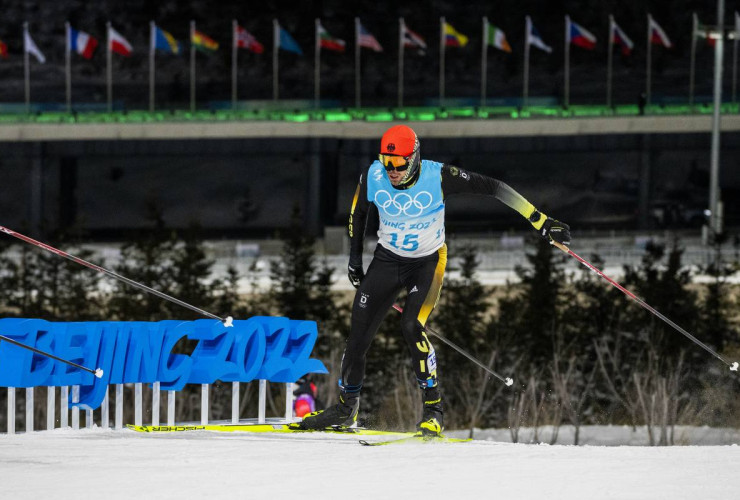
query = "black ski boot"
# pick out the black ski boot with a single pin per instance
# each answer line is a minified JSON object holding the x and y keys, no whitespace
{"x":342,"y":414}
{"x":432,"y":423}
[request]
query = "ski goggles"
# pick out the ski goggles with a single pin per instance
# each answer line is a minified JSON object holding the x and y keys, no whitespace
{"x":395,"y":162}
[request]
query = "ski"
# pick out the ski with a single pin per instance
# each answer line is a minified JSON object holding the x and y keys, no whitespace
{"x":416,"y":438}
{"x":261,"y":428}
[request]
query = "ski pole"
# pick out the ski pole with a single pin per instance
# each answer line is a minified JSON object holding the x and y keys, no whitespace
{"x":228,"y":321}
{"x":508,"y":381}
{"x":733,"y":366}
{"x":97,"y":371}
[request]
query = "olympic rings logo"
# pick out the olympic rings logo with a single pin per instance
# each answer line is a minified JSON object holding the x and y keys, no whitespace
{"x":403,"y":203}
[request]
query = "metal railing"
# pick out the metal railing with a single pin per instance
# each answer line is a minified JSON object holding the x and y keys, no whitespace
{"x":118,"y":423}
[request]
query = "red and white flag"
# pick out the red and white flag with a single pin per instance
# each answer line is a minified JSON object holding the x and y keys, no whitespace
{"x":118,"y":44}
{"x":620,"y":38}
{"x":245,"y":40}
{"x":657,"y":35}
{"x":413,"y":39}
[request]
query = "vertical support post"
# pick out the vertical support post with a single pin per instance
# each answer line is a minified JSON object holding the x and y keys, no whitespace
{"x":289,"y":401}
{"x":566,"y":73}
{"x":138,"y":404}
{"x":192,"y":67}
{"x":314,"y":187}
{"x":170,"y":408}
{"x":235,"y":402}
{"x":155,"y":403}
{"x":525,"y":84}
{"x":441,"y":61}
{"x":119,"y":406}
{"x":152,"y":45}
{"x":358,"y":90}
{"x":648,"y":61}
{"x":692,"y":64}
{"x":275,"y":47}
{"x":50,"y":407}
{"x":75,"y":409}
{"x":108,"y":69}
{"x":88,"y":419}
{"x":64,"y":407}
{"x":204,"y":404}
{"x":234,"y":49}
{"x":317,"y":65}
{"x":484,"y":64}
{"x":714,"y":195}
{"x":29,"y":409}
{"x":11,"y":410}
{"x":105,"y":410}
{"x":645,"y":179}
{"x":262,"y":402}
{"x":609,"y":59}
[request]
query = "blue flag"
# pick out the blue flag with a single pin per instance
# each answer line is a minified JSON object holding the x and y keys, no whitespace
{"x":165,"y":42}
{"x":287,"y":42}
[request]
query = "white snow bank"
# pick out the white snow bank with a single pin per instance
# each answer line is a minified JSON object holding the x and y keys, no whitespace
{"x":610,"y":435}
{"x":63,"y":464}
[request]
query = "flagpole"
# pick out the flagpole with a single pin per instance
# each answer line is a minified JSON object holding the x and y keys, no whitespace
{"x":68,"y":67}
{"x":441,"y":61}
{"x":192,"y":67}
{"x":484,"y":63}
{"x":609,"y":58}
{"x":316,"y":65}
{"x":734,"y":55}
{"x":527,"y":29}
{"x":648,"y":62}
{"x":233,"y":64}
{"x":26,"y":68}
{"x":401,"y":27}
{"x":152,"y":41}
{"x":108,"y":68}
{"x":357,"y":63}
{"x":566,"y":90}
{"x":275,"y":48}
{"x":692,"y":66}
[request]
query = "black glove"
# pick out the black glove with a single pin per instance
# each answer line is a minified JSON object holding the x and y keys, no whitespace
{"x":554,"y":230}
{"x":355,"y":274}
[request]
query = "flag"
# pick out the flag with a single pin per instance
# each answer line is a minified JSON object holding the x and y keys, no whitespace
{"x":367,"y":40}
{"x":454,"y":38}
{"x":534,"y":38}
{"x":326,"y":41}
{"x":31,"y":48}
{"x":118,"y":43}
{"x":82,"y":43}
{"x":497,"y":38}
{"x":203,"y":42}
{"x":621,"y":39}
{"x":165,"y":42}
{"x":412,"y":39}
{"x":580,"y":36}
{"x":245,"y":40}
{"x":3,"y":50}
{"x":286,"y":42}
{"x":657,"y":35}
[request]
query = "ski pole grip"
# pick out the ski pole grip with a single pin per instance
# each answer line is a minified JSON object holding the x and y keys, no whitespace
{"x":559,"y":245}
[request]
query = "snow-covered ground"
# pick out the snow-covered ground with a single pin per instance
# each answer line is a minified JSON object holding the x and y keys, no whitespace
{"x":95,"y":463}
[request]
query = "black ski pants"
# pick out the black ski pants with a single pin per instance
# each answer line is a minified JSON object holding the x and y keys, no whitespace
{"x":387,"y":275}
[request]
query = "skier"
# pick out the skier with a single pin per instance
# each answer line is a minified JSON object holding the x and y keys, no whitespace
{"x":410,"y":195}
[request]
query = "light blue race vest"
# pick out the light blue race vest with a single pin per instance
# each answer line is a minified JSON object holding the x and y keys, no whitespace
{"x":412,"y":221}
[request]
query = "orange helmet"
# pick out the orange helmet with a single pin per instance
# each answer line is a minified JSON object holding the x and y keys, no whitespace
{"x":397,"y":144}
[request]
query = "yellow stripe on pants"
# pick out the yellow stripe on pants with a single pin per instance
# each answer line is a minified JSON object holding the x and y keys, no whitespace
{"x":433,"y":294}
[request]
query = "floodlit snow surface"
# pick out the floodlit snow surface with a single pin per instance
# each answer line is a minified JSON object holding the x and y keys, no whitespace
{"x":95,"y":463}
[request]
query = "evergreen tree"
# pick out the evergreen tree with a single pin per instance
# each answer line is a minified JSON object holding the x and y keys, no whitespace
{"x":147,"y":260}
{"x":302,"y":286}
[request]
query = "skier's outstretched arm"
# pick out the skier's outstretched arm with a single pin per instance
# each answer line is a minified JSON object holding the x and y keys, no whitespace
{"x":458,"y":181}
